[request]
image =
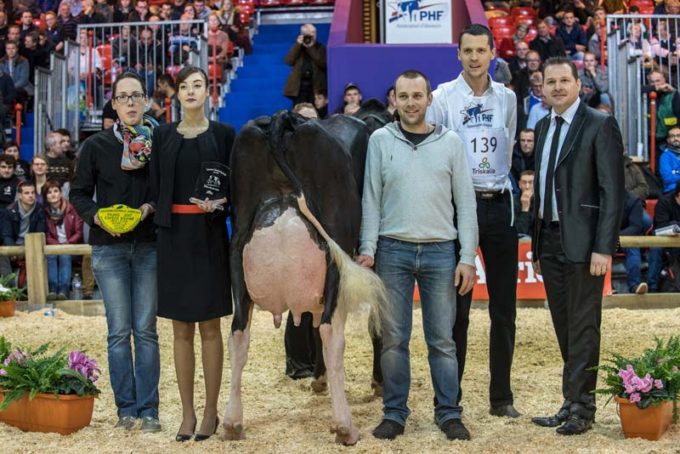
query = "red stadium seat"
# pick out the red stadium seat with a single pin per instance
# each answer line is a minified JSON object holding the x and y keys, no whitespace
{"x":506,"y":48}
{"x":500,"y":22}
{"x":246,"y":8}
{"x":647,"y":9}
{"x":532,"y":33}
{"x":651,"y":206}
{"x":523,"y":11}
{"x":641,"y":3}
{"x":245,"y":18}
{"x":526,"y":20}
{"x":105,"y":51}
{"x":267,"y":3}
{"x":503,"y":32}
{"x":214,"y":71}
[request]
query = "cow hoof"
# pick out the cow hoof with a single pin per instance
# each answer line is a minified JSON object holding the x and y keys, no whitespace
{"x":347,"y":436}
{"x":320,"y":385}
{"x":234,"y":431}
{"x":377,"y":388}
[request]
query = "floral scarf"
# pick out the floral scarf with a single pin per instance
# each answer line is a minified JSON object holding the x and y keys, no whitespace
{"x":136,"y":142}
{"x":56,"y":216}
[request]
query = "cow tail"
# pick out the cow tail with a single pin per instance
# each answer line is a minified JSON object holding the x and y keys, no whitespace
{"x":358,"y":285}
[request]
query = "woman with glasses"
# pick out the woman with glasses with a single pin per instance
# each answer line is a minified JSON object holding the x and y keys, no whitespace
{"x":39,"y":174}
{"x":190,"y":176}
{"x":114,"y":163}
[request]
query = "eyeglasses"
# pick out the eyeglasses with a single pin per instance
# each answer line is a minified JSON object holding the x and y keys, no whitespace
{"x":674,"y":136}
{"x":134,"y":97}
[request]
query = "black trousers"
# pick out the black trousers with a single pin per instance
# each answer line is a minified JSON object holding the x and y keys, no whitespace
{"x":575,"y":301}
{"x":498,"y":243}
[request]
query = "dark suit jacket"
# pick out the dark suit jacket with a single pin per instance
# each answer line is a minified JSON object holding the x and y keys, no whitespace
{"x":165,"y":147}
{"x":589,"y":185}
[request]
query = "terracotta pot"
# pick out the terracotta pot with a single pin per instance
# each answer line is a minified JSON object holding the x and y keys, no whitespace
{"x":7,"y":308}
{"x":49,"y":413}
{"x":649,"y":423}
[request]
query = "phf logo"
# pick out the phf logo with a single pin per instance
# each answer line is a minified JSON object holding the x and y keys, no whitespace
{"x":413,"y":11}
{"x":476,"y":113}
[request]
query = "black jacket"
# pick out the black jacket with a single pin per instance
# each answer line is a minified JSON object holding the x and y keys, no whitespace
{"x":667,"y":212}
{"x":521,"y":162}
{"x":99,"y":170}
{"x":10,"y":223}
{"x":589,"y":185}
{"x":8,"y":190}
{"x":217,"y":140}
{"x":631,"y":221}
{"x":554,"y":47}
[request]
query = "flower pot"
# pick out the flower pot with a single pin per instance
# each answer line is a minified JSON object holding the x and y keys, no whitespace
{"x":7,"y":308}
{"x":649,"y":423}
{"x":62,"y":414}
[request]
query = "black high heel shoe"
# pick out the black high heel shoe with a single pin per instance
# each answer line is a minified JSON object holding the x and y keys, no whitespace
{"x":201,"y":437}
{"x":182,"y":438}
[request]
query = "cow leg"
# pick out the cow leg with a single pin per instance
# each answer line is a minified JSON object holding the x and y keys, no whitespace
{"x":239,"y":340}
{"x":333,"y":337}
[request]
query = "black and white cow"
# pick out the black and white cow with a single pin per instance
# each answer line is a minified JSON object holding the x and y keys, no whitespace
{"x":296,"y":200}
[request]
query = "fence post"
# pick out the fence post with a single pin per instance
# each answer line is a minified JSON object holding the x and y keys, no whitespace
{"x":36,"y":268}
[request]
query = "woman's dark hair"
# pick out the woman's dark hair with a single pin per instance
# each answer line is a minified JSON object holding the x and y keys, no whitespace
{"x":186,"y":72}
{"x":49,"y":184}
{"x":128,"y":75}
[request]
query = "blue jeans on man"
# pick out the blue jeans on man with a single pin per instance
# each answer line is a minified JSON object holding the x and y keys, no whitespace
{"x":433,"y":267}
{"x":59,"y":274}
{"x":126,"y":276}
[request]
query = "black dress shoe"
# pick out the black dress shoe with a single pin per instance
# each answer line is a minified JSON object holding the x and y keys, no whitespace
{"x":575,"y":425}
{"x":388,"y":430}
{"x":505,"y":410}
{"x":201,"y":437}
{"x":184,"y":437}
{"x":552,"y":421}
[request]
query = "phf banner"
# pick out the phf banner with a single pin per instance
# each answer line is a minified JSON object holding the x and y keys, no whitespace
{"x":417,"y":21}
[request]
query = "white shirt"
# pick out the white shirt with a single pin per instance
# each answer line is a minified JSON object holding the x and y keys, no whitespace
{"x":568,"y":117}
{"x":451,"y":101}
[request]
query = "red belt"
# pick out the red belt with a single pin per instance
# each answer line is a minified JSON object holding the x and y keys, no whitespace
{"x":186,"y":209}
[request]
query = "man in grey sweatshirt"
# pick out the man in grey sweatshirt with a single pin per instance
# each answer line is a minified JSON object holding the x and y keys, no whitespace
{"x":415,"y":173}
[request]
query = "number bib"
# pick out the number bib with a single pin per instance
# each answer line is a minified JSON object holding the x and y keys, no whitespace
{"x":487,"y":155}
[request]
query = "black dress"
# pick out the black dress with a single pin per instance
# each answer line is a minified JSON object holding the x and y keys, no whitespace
{"x":193,"y":264}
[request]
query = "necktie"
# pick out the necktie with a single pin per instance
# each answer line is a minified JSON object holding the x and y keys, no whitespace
{"x":550,"y":176}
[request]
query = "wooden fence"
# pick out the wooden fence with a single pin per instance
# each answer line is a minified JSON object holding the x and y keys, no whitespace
{"x":35,"y":250}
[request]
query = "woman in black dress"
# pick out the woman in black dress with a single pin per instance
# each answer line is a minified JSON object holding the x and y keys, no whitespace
{"x":193,"y":246}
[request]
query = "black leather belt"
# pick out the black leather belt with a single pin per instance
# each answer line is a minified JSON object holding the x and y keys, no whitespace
{"x":489,"y":195}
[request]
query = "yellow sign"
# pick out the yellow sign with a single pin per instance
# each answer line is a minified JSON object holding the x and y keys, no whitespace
{"x":119,"y":218}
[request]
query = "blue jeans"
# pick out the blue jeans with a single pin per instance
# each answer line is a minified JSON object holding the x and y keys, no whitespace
{"x":433,"y":266}
{"x":633,"y":267}
{"x":126,"y":275}
{"x":59,"y":273}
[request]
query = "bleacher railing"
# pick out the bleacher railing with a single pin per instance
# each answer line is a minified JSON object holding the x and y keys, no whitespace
{"x":637,"y":44}
{"x":54,"y":99}
{"x":147,"y":48}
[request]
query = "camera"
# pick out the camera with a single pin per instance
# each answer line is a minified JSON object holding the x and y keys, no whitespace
{"x":307,"y":39}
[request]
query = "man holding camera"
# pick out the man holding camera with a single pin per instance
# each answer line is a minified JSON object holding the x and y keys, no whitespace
{"x":308,"y":59}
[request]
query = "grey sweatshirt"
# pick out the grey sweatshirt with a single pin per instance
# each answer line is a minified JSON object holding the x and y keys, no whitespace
{"x":408,"y":191}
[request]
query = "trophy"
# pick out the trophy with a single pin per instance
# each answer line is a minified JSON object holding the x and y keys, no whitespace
{"x":119,"y":218}
{"x":211,"y":185}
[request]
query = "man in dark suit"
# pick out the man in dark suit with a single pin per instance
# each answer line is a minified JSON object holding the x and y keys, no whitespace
{"x":577,"y":207}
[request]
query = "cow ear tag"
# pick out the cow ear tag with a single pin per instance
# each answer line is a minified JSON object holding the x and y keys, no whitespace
{"x":119,"y":218}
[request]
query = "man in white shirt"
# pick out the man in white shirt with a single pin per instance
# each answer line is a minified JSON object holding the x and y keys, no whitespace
{"x":484,"y":114}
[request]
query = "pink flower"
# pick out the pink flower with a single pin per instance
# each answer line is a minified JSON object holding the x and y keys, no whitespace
{"x":3,"y":372}
{"x":658,"y":384}
{"x":19,"y":357}
{"x":85,"y":366}
{"x":645,"y":384}
{"x":634,"y":398}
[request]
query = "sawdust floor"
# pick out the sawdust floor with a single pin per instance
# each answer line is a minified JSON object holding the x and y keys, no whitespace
{"x":282,"y":415}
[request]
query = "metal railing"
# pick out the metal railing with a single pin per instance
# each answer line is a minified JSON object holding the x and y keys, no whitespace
{"x":107,"y":50}
{"x":638,"y":44}
{"x":54,"y":101}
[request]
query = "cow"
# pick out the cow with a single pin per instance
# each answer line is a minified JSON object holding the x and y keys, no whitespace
{"x":296,"y":214}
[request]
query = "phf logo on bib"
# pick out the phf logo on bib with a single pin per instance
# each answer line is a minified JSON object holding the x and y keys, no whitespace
{"x":486,"y":145}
